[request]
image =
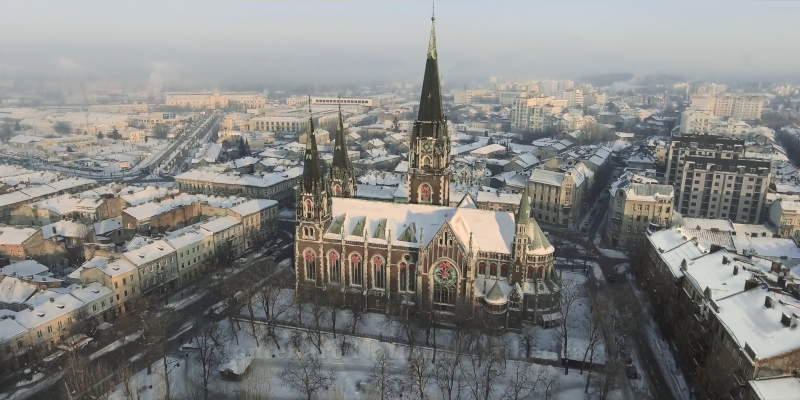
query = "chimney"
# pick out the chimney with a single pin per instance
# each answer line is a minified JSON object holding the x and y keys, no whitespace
{"x":750,"y":283}
{"x":725,"y":260}
{"x":52,"y":299}
{"x":776,"y":267}
{"x":768,"y":301}
{"x":786,"y":320}
{"x":736,"y":270}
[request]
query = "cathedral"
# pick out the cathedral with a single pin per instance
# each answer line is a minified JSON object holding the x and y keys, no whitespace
{"x":423,"y":258}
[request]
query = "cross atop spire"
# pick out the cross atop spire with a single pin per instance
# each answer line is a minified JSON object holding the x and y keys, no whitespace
{"x":432,"y":40}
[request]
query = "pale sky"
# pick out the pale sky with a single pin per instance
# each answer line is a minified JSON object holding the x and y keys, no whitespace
{"x":349,"y":41}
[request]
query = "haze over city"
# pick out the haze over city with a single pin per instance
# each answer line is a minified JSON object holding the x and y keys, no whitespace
{"x":347,"y":42}
{"x":399,"y":200}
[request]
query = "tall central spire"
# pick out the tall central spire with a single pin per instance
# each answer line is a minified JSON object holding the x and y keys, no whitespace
{"x":430,"y":102}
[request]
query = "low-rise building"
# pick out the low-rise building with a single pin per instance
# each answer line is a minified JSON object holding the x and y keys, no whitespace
{"x":157,"y":266}
{"x":557,"y":195}
{"x":275,"y":185}
{"x":784,"y":215}
{"x":117,"y":274}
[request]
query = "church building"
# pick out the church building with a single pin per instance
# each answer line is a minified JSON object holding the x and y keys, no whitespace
{"x":425,"y":257}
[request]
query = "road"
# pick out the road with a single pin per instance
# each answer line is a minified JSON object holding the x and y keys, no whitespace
{"x":192,"y":316}
{"x":632,"y":313}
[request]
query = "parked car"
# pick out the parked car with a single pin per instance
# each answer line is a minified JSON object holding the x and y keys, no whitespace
{"x":631,"y":372}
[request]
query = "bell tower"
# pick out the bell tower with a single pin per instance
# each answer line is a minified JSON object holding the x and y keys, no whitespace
{"x":343,"y":181}
{"x":429,"y":155}
{"x":313,"y":197}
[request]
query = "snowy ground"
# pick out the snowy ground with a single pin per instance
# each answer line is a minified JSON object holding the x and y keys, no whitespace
{"x":351,"y":372}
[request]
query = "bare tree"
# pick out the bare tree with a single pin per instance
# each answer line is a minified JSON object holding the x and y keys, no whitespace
{"x":357,"y":314}
{"x":315,"y":328}
{"x":594,"y":324}
{"x":124,"y":376}
{"x":419,"y":372}
{"x":273,"y":304}
{"x":484,"y":367}
{"x":568,"y":297}
{"x":155,"y":333}
{"x":613,"y":369}
{"x":84,"y":377}
{"x":410,"y":329}
{"x":208,"y":351}
{"x":449,"y":364}
{"x":524,"y":380}
{"x":307,"y":376}
{"x":446,"y":375}
{"x":550,"y":386}
{"x":334,"y":303}
{"x":384,"y":382}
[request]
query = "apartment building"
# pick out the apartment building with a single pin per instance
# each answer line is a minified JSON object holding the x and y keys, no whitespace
{"x":115,"y":273}
{"x":739,"y":106}
{"x":215,"y":100}
{"x":733,"y":317}
{"x":557,"y":195}
{"x":636,"y":204}
{"x":713,"y":178}
{"x":784,"y":215}
{"x":535,"y":114}
{"x":156,"y":264}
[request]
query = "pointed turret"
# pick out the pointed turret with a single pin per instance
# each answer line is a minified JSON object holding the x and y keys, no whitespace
{"x":343,"y":182}
{"x":313,"y":198}
{"x":313,"y":181}
{"x":524,"y":212}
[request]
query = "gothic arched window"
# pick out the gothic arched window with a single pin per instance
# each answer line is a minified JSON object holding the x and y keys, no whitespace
{"x":531,"y":273}
{"x":504,"y":270}
{"x":308,"y":208}
{"x":412,"y":278}
{"x":444,"y":294}
{"x":425,"y":193}
{"x":334,"y":267}
{"x":378,"y":272}
{"x":337,"y":189}
{"x":493,"y":269}
{"x":309,"y":259}
{"x":425,"y":162}
{"x":481,"y":268}
{"x":402,"y":270}
{"x":356,"y":272}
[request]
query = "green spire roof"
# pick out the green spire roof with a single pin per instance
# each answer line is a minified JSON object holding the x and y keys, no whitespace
{"x":524,"y":212}
{"x":312,"y":172}
{"x":430,"y":102}
{"x":340,"y":159}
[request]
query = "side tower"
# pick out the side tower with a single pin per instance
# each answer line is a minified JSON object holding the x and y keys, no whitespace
{"x":343,"y":180}
{"x":429,"y":155}
{"x":313,"y":215}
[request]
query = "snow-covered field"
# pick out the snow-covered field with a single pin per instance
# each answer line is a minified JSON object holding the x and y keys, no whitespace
{"x":351,"y":372}
{"x":376,"y":334}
